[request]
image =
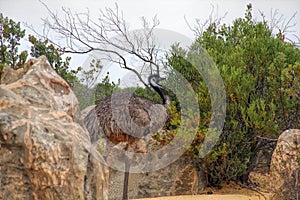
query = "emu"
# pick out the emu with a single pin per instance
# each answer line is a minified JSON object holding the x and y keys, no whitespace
{"x":127,"y":118}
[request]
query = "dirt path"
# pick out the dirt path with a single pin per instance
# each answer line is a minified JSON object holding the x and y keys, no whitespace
{"x":228,"y":192}
{"x":211,"y":197}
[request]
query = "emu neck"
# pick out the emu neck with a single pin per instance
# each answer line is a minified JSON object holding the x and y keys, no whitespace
{"x":163,"y":94}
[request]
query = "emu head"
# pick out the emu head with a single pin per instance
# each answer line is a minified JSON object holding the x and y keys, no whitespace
{"x":154,"y":79}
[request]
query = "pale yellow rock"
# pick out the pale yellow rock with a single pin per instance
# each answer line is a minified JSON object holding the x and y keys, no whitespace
{"x":285,"y":166}
{"x":45,"y":151}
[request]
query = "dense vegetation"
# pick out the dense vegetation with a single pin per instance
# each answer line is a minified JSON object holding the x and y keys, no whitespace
{"x":260,"y":72}
{"x":11,"y":34}
{"x":261,"y":75}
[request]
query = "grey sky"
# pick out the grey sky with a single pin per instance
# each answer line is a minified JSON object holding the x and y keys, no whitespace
{"x":170,"y":13}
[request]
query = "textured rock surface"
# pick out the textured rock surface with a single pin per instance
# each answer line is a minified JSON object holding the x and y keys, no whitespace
{"x":45,"y":151}
{"x":285,"y":166}
{"x":179,"y":178}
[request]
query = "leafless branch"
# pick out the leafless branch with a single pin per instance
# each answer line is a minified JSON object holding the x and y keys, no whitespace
{"x":278,"y":24}
{"x":200,"y":26}
{"x":109,"y":34}
{"x":267,"y":139}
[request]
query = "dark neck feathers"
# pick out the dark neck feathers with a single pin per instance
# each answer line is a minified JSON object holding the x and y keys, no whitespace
{"x":162,"y":93}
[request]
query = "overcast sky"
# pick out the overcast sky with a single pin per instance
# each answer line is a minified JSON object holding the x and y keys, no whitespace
{"x":171,"y":13}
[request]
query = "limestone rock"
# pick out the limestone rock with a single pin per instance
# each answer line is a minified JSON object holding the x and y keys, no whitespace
{"x":285,"y":166}
{"x":45,"y":151}
{"x":179,"y":178}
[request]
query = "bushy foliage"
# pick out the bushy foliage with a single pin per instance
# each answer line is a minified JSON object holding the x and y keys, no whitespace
{"x":105,"y":88}
{"x":54,"y":56}
{"x":261,"y":76}
{"x":11,"y":35}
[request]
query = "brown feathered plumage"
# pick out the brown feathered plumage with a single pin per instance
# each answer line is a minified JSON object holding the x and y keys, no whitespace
{"x":125,"y":117}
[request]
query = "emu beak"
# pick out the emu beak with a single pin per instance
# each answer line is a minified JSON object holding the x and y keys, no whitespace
{"x":161,"y":78}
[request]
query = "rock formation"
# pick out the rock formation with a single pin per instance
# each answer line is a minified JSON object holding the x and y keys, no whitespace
{"x":285,"y":166}
{"x":178,"y":178}
{"x":45,"y":151}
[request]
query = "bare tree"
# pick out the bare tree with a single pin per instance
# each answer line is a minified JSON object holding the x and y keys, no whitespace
{"x":282,"y":27}
{"x":80,"y":34}
{"x":213,"y":20}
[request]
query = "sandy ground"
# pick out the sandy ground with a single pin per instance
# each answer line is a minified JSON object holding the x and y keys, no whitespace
{"x":231,"y":191}
{"x":210,"y":197}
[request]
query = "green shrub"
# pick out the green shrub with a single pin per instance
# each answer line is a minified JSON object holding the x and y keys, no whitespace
{"x":261,"y":76}
{"x":11,"y":36}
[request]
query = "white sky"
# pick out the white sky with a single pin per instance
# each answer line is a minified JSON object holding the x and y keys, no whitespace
{"x":170,"y":13}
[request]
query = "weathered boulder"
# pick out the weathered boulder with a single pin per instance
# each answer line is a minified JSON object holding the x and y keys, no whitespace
{"x":178,"y":178}
{"x":45,"y":150}
{"x":285,"y":166}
